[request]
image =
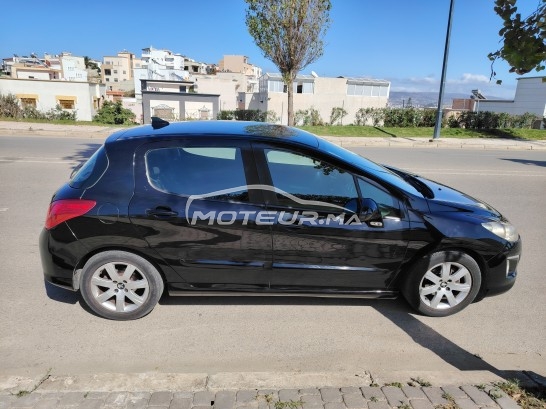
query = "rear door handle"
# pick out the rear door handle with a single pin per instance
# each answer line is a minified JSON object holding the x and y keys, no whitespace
{"x":162,"y":212}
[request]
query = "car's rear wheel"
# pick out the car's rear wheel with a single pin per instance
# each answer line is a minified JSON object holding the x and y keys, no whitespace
{"x":442,"y":283}
{"x":120,"y":286}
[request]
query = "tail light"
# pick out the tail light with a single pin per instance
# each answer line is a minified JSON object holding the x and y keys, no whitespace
{"x":63,"y":210}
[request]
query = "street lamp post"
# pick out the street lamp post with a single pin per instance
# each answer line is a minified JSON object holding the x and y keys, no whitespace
{"x":439,"y":112}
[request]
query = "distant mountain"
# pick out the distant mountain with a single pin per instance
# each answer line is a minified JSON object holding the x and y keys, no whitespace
{"x":422,"y":99}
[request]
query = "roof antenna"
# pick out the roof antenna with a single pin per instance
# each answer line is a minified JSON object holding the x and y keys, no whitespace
{"x":158,"y":123}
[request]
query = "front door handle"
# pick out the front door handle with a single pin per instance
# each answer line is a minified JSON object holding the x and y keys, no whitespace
{"x":161,"y":212}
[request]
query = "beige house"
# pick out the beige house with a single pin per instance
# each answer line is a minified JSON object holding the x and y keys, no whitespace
{"x":119,"y":68}
{"x":320,"y":93}
{"x":239,"y":64}
{"x":24,"y":70}
{"x":83,"y":97}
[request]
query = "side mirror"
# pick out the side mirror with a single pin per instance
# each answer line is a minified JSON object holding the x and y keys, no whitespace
{"x":370,"y":214}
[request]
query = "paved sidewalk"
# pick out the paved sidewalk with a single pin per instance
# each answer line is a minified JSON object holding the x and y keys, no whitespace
{"x":366,"y":397}
{"x":101,"y":132}
{"x":322,"y":390}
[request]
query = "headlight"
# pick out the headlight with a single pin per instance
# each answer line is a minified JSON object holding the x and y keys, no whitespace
{"x":503,"y":230}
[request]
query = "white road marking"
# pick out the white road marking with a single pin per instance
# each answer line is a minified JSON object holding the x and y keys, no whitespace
{"x":49,"y":161}
{"x":3,"y":209}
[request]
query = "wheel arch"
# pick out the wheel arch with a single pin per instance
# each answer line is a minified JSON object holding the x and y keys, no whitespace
{"x":429,"y":250}
{"x":158,"y":264}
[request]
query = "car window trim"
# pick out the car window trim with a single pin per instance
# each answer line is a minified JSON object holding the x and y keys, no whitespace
{"x":142,"y":182}
{"x":265,"y":175}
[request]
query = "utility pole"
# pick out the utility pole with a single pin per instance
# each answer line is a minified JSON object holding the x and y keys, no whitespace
{"x":439,"y":112}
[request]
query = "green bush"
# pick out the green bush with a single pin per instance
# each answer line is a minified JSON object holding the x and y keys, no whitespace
{"x":243,"y":115}
{"x":491,"y":120}
{"x":226,"y":115}
{"x":429,"y":118}
{"x":308,"y":117}
{"x":409,"y":117}
{"x":337,"y":115}
{"x":9,"y":106}
{"x":362,"y":116}
{"x":58,"y":113}
{"x":114,"y":113}
{"x":272,"y":117}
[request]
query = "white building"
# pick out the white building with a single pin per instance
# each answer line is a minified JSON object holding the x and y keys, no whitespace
{"x":83,"y":97}
{"x":320,"y":93}
{"x":158,"y":64}
{"x":73,"y":68}
{"x":530,"y":97}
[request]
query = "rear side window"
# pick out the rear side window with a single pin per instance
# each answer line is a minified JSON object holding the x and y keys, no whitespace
{"x":91,"y":171}
{"x":213,"y":172}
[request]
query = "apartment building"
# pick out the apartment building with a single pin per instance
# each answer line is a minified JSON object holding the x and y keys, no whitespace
{"x":321,"y":93}
{"x":159,"y":64}
{"x":72,"y":67}
{"x":119,"y":68}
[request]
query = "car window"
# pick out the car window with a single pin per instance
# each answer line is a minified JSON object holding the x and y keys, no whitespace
{"x":388,"y":205}
{"x":91,"y":171}
{"x":214,"y":172}
{"x":309,"y":179}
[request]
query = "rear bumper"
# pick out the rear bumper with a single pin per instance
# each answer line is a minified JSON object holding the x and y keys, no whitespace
{"x":502,"y":270}
{"x":59,"y":254}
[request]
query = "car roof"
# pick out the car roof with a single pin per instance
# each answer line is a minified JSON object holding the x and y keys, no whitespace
{"x":220,"y":129}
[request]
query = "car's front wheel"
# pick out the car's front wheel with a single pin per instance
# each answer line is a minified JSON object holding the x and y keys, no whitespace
{"x":442,"y":283}
{"x":120,"y":286}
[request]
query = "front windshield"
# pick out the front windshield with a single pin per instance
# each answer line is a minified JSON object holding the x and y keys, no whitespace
{"x":369,"y":166}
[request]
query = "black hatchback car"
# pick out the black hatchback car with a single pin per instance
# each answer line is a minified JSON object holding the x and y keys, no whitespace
{"x":244,"y":208}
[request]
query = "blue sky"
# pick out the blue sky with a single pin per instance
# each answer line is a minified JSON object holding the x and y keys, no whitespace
{"x":398,"y":40}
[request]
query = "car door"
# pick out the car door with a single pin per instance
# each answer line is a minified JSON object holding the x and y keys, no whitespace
{"x":193,"y":206}
{"x":319,"y":242}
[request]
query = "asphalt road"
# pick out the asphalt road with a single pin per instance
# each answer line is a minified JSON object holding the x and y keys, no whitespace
{"x":45,"y":327}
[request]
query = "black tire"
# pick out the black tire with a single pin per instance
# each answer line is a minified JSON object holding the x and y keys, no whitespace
{"x":442,"y":283}
{"x":120,"y":286}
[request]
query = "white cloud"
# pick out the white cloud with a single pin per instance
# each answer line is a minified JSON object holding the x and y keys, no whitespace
{"x":462,"y":85}
{"x":467,"y":78}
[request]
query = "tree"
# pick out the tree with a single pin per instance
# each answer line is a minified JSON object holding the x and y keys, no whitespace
{"x":290,"y":33}
{"x":523,"y":39}
{"x":91,"y":64}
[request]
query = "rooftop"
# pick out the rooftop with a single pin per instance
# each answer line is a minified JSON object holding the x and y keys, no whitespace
{"x":221,"y":129}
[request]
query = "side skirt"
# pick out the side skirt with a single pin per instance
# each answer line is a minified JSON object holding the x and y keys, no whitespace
{"x":323,"y":294}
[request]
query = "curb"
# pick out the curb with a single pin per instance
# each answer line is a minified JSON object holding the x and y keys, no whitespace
{"x":417,"y":394}
{"x":451,"y":143}
{"x":194,"y":382}
{"x":101,"y":132}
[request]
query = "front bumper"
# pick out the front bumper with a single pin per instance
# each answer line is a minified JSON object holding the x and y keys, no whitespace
{"x":502,"y":270}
